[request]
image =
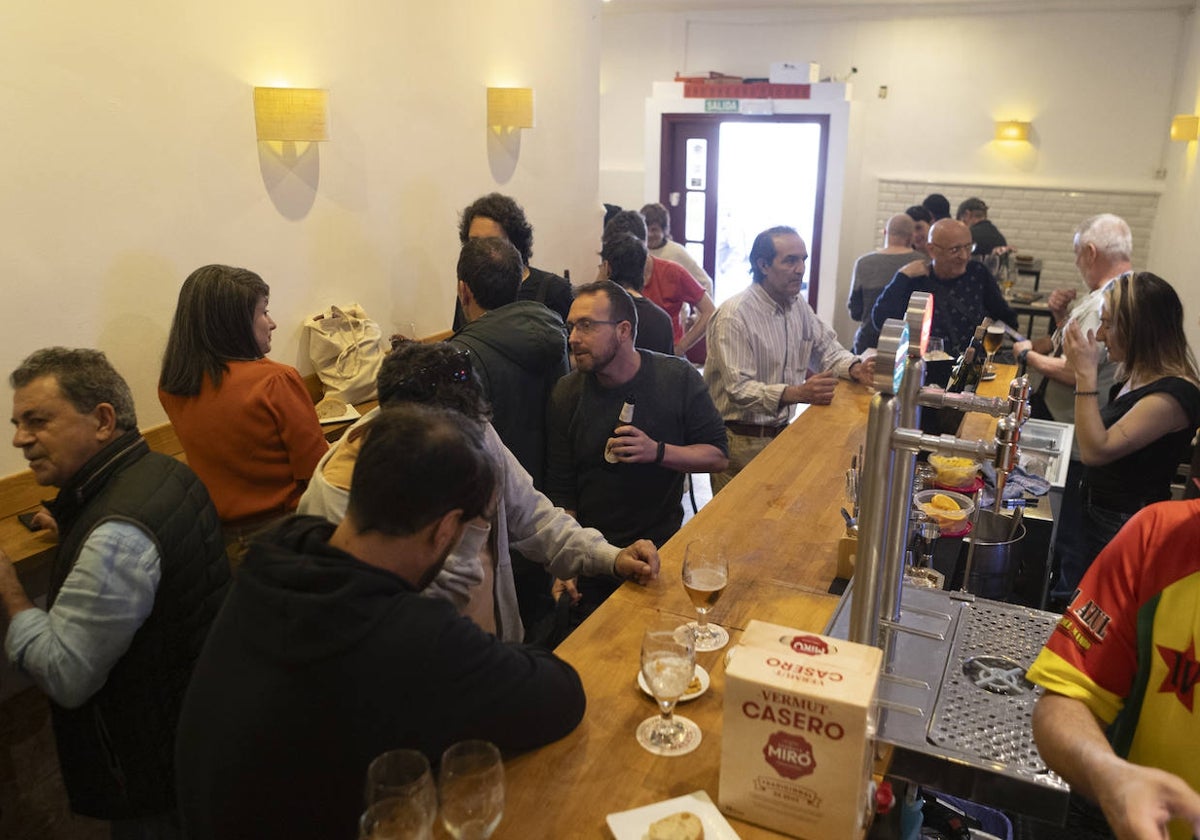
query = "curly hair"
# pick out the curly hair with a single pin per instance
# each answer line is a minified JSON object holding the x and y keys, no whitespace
{"x":505,"y":212}
{"x":439,"y":374}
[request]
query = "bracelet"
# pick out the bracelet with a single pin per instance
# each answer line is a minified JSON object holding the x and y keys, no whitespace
{"x":1087,"y":393}
{"x":662,"y":450}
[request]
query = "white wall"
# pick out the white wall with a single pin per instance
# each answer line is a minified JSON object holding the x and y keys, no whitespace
{"x":1096,"y":85}
{"x":130,"y":159}
{"x":1175,"y":254}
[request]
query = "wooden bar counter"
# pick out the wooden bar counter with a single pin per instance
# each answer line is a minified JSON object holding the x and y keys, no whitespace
{"x":779,"y":521}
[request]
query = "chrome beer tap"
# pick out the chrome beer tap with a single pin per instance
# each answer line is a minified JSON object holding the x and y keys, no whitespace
{"x":893,"y":441}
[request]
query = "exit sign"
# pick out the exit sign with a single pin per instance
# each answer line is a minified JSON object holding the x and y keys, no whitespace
{"x":721,"y":106}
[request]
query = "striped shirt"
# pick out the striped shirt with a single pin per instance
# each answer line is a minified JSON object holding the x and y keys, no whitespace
{"x":756,"y":348}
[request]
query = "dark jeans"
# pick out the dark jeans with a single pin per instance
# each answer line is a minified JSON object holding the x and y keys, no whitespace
{"x":1070,"y":554}
{"x":158,"y":827}
{"x":1100,"y":526}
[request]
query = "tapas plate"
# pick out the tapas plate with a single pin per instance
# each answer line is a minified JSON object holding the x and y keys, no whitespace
{"x":634,"y":824}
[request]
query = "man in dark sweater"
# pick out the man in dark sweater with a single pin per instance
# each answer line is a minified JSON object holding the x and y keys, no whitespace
{"x":326,"y":655}
{"x":675,"y":430}
{"x":138,"y":575}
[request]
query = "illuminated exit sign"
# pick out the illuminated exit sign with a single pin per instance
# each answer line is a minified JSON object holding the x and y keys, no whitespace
{"x":721,"y":106}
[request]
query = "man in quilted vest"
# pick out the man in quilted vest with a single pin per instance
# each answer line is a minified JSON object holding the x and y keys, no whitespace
{"x":137,"y":578}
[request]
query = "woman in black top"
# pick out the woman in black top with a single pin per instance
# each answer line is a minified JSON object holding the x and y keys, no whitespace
{"x":1132,"y":447}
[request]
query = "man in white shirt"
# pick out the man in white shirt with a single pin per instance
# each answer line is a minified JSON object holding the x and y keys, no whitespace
{"x":764,"y":344}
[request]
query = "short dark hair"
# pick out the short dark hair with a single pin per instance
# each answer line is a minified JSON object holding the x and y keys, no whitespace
{"x":627,"y":221}
{"x":938,"y":205}
{"x":971,"y":205}
{"x":626,"y":258}
{"x":213,"y":324}
{"x":85,"y":378}
{"x":620,"y":305}
{"x":438,"y":374}
{"x":656,"y":214}
{"x":417,"y":464}
{"x":505,"y":212}
{"x":920,"y":214}
{"x":764,"y":249}
{"x":492,"y":269}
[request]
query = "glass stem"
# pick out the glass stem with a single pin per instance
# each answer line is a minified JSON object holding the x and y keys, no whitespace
{"x":702,"y":621}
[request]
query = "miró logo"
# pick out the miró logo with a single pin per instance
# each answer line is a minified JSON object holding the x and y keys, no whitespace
{"x":790,"y":755}
{"x":811,"y":645}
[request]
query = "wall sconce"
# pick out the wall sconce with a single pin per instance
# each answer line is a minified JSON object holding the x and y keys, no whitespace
{"x":298,"y":114}
{"x":1012,"y":130}
{"x":1185,"y":127}
{"x":510,"y":107}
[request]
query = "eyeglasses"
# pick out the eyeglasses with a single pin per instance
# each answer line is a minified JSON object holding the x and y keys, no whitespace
{"x":586,"y":325}
{"x":956,"y":250}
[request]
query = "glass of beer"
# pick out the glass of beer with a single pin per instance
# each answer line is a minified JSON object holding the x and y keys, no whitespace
{"x":705,"y":575}
{"x":992,"y":339}
{"x":471,"y":785}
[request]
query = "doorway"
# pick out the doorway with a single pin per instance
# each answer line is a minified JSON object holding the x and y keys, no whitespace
{"x":726,"y":177}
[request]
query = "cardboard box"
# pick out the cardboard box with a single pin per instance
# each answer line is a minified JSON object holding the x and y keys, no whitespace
{"x":798,"y":733}
{"x":795,"y":72}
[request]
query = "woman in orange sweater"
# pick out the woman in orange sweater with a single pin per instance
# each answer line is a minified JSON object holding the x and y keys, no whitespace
{"x":246,"y":423}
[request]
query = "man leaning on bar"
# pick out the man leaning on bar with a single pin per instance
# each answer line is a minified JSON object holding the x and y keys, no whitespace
{"x":762,"y":345}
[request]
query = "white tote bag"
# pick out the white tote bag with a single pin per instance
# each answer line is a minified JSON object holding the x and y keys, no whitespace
{"x":346,"y":348}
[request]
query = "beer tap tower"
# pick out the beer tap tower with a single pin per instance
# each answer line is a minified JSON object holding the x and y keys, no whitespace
{"x":893,"y":441}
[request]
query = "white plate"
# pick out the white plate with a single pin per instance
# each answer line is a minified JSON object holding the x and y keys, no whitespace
{"x":691,"y":695}
{"x":633,"y":825}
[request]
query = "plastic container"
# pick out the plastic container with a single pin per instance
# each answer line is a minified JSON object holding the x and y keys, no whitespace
{"x":951,"y":521}
{"x":954,"y":471}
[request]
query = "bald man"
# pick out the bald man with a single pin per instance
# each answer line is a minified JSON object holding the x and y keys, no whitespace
{"x":964,"y":291}
{"x":873,"y":271}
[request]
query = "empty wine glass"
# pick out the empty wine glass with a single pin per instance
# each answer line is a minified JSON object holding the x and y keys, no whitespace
{"x":705,"y":575}
{"x":397,"y":818}
{"x":668,"y":663}
{"x":402,"y":780}
{"x":471,"y":783}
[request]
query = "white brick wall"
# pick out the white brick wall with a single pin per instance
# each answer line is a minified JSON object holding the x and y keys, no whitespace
{"x":1035,"y":220}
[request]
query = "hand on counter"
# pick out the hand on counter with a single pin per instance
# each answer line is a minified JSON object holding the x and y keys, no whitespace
{"x":816,"y":390}
{"x":638,"y":562}
{"x":863,"y":372}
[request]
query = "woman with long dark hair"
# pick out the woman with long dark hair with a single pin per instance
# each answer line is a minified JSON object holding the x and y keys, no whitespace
{"x":1132,"y":447}
{"x":247,"y":424}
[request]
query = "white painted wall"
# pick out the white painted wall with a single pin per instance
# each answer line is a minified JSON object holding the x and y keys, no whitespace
{"x":1175,"y":253}
{"x":1097,"y":85}
{"x":130,"y":159}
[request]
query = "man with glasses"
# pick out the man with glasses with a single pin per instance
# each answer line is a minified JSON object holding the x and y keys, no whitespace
{"x":964,"y":291}
{"x":675,"y":429}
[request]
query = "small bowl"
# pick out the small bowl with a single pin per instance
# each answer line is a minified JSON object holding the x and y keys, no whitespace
{"x":946,"y":518}
{"x":953,"y":471}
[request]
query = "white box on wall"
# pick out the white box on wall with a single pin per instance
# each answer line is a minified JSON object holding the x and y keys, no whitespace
{"x":795,"y":72}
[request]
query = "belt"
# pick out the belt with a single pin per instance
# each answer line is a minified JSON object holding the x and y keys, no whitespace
{"x":1115,"y":502}
{"x":753,"y":429}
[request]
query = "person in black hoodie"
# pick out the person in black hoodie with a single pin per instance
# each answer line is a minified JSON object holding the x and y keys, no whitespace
{"x":326,"y":655}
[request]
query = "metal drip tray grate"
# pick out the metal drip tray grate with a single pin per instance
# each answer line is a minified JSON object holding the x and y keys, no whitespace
{"x":985,"y":703}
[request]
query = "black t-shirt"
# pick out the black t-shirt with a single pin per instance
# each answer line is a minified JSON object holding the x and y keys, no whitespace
{"x":627,"y":502}
{"x":654,"y":327}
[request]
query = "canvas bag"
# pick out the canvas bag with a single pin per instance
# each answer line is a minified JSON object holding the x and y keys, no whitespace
{"x":346,"y":348}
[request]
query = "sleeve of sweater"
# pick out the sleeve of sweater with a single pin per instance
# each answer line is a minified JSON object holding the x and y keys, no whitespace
{"x":516,"y":696}
{"x":297,"y":421}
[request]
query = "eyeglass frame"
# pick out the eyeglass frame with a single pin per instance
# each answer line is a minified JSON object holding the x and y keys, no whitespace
{"x":955,"y":250}
{"x":586,"y":325}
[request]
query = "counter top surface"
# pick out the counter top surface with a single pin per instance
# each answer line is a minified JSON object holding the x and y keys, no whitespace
{"x":780,"y":523}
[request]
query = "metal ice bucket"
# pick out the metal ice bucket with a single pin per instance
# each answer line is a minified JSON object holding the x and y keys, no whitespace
{"x":995,"y":564}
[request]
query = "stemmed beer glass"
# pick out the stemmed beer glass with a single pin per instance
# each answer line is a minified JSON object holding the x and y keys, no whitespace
{"x":705,"y":575}
{"x":471,"y":784}
{"x":992,"y":339}
{"x":668,"y":663}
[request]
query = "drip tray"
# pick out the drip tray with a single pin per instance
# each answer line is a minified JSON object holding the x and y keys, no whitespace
{"x":955,"y":704}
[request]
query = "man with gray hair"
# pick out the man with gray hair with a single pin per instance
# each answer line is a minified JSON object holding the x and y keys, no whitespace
{"x":873,"y":271}
{"x":1103,"y":250}
{"x":138,"y":575}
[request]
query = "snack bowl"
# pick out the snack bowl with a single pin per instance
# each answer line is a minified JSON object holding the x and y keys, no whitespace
{"x":947,"y":508}
{"x":954,"y":471}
